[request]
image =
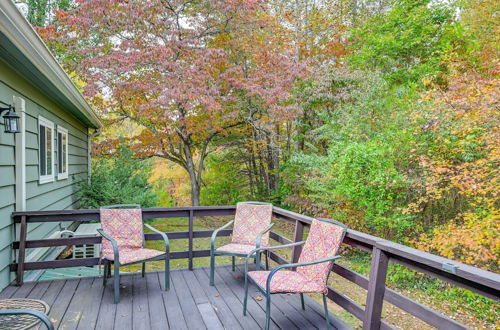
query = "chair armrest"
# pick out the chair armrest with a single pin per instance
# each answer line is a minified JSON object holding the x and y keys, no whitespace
{"x":44,"y":318}
{"x":269,"y":248}
{"x":259,"y":237}
{"x":214,"y":234}
{"x":163,"y":235}
{"x":298,"y":264}
{"x":113,"y":243}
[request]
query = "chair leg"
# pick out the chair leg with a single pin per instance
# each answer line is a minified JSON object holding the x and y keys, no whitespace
{"x":105,"y":274}
{"x":302,"y":301}
{"x":257,"y":261}
{"x":268,"y":311}
{"x":246,"y":296}
{"x":212,"y":266}
{"x":267,"y":260}
{"x":167,"y":274}
{"x":326,"y":313}
{"x":143,"y":269}
{"x":233,"y":261}
{"x":116,"y":283}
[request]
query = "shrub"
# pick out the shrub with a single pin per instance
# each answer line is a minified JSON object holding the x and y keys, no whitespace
{"x":120,"y":179}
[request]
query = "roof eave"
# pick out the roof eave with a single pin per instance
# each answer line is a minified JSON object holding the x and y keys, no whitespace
{"x":22,"y":35}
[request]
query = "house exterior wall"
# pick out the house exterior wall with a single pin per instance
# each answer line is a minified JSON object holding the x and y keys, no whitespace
{"x":58,"y":194}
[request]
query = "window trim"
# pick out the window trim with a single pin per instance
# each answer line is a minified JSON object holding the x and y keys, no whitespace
{"x":48,"y":124}
{"x":63,"y":131}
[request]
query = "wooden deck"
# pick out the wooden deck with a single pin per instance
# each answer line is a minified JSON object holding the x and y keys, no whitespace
{"x":190,"y":304}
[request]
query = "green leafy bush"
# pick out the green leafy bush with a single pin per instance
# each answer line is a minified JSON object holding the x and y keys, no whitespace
{"x":360,"y":178}
{"x":223,"y":183}
{"x":409,"y":42}
{"x":120,"y":179}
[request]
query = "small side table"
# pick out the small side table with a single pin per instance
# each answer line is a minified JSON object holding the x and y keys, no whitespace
{"x":17,"y":314}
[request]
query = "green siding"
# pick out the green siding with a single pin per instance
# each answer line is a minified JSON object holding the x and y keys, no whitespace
{"x":6,"y":235}
{"x":59,"y":194}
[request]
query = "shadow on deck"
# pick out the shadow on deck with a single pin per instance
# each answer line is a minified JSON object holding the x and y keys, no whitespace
{"x":190,"y":304}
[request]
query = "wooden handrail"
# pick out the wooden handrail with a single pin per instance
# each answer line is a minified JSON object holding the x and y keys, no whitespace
{"x":472,"y":278}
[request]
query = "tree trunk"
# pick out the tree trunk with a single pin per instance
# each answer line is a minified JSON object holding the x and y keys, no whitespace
{"x":195,"y":194}
{"x":195,"y":184}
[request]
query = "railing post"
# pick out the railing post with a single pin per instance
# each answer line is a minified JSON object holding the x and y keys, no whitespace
{"x":297,"y":237}
{"x":190,"y":244}
{"x":22,"y":251}
{"x":376,"y":290}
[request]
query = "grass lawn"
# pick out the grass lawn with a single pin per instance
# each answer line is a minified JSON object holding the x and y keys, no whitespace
{"x":200,"y":223}
{"x":181,"y":224}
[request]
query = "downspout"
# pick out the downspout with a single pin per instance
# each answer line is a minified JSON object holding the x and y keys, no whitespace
{"x":20,"y":164}
{"x":20,"y":167}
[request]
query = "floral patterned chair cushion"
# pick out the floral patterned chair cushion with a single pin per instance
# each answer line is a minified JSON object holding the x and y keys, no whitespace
{"x":288,"y":281}
{"x":128,"y":256}
{"x":324,"y":241}
{"x":126,"y":227}
{"x":249,"y":220}
{"x":237,"y":248}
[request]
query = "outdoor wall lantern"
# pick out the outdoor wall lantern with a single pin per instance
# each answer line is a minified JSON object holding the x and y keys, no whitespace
{"x":11,"y":120}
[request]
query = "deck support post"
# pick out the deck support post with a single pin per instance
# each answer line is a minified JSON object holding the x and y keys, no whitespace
{"x":22,"y":251}
{"x":297,"y":237}
{"x":376,"y":289}
{"x":191,"y":235}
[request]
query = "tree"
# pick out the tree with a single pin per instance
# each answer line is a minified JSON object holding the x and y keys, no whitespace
{"x":172,"y":68}
{"x":41,"y":12}
{"x":120,"y":179}
{"x":410,"y":41}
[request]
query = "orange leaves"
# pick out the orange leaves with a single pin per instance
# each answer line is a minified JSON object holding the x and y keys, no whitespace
{"x":474,"y":240}
{"x":462,"y":170}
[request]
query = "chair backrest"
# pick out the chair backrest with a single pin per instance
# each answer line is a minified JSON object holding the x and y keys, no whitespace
{"x":324,"y":240}
{"x":251,"y":218}
{"x":124,"y":225}
{"x":121,"y":206}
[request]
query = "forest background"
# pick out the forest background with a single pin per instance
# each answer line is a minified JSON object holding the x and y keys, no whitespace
{"x":381,"y":114}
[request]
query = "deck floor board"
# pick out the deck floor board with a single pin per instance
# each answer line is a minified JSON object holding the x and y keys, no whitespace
{"x":123,"y":316}
{"x":191,"y":303}
{"x":218,"y":300}
{"x":61,"y":302}
{"x":191,"y":313}
{"x":74,"y":311}
{"x":172,"y":306}
{"x":140,"y":314}
{"x":253,"y":308}
{"x":90,"y":310}
{"x":157,"y":314}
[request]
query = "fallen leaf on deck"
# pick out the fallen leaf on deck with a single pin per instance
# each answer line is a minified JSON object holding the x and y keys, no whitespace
{"x":258,"y":298}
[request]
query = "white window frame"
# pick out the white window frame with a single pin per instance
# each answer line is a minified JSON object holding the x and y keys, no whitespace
{"x":64,"y":174}
{"x":48,"y":124}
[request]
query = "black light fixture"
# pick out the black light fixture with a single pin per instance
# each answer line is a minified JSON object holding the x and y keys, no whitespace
{"x":11,"y":120}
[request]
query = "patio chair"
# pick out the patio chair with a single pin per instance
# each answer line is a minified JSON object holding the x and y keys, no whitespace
{"x":124,"y":244}
{"x":251,"y":226}
{"x":309,"y":274}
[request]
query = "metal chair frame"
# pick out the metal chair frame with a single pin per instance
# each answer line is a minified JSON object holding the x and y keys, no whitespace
{"x":116,"y":262}
{"x":267,"y":290}
{"x":39,"y":315}
{"x":257,"y":256}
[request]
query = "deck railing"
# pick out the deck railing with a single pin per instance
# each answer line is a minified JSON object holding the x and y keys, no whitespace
{"x":383,"y":251}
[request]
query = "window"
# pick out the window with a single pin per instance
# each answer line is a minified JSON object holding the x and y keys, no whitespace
{"x":46,"y":149}
{"x":62,"y":153}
